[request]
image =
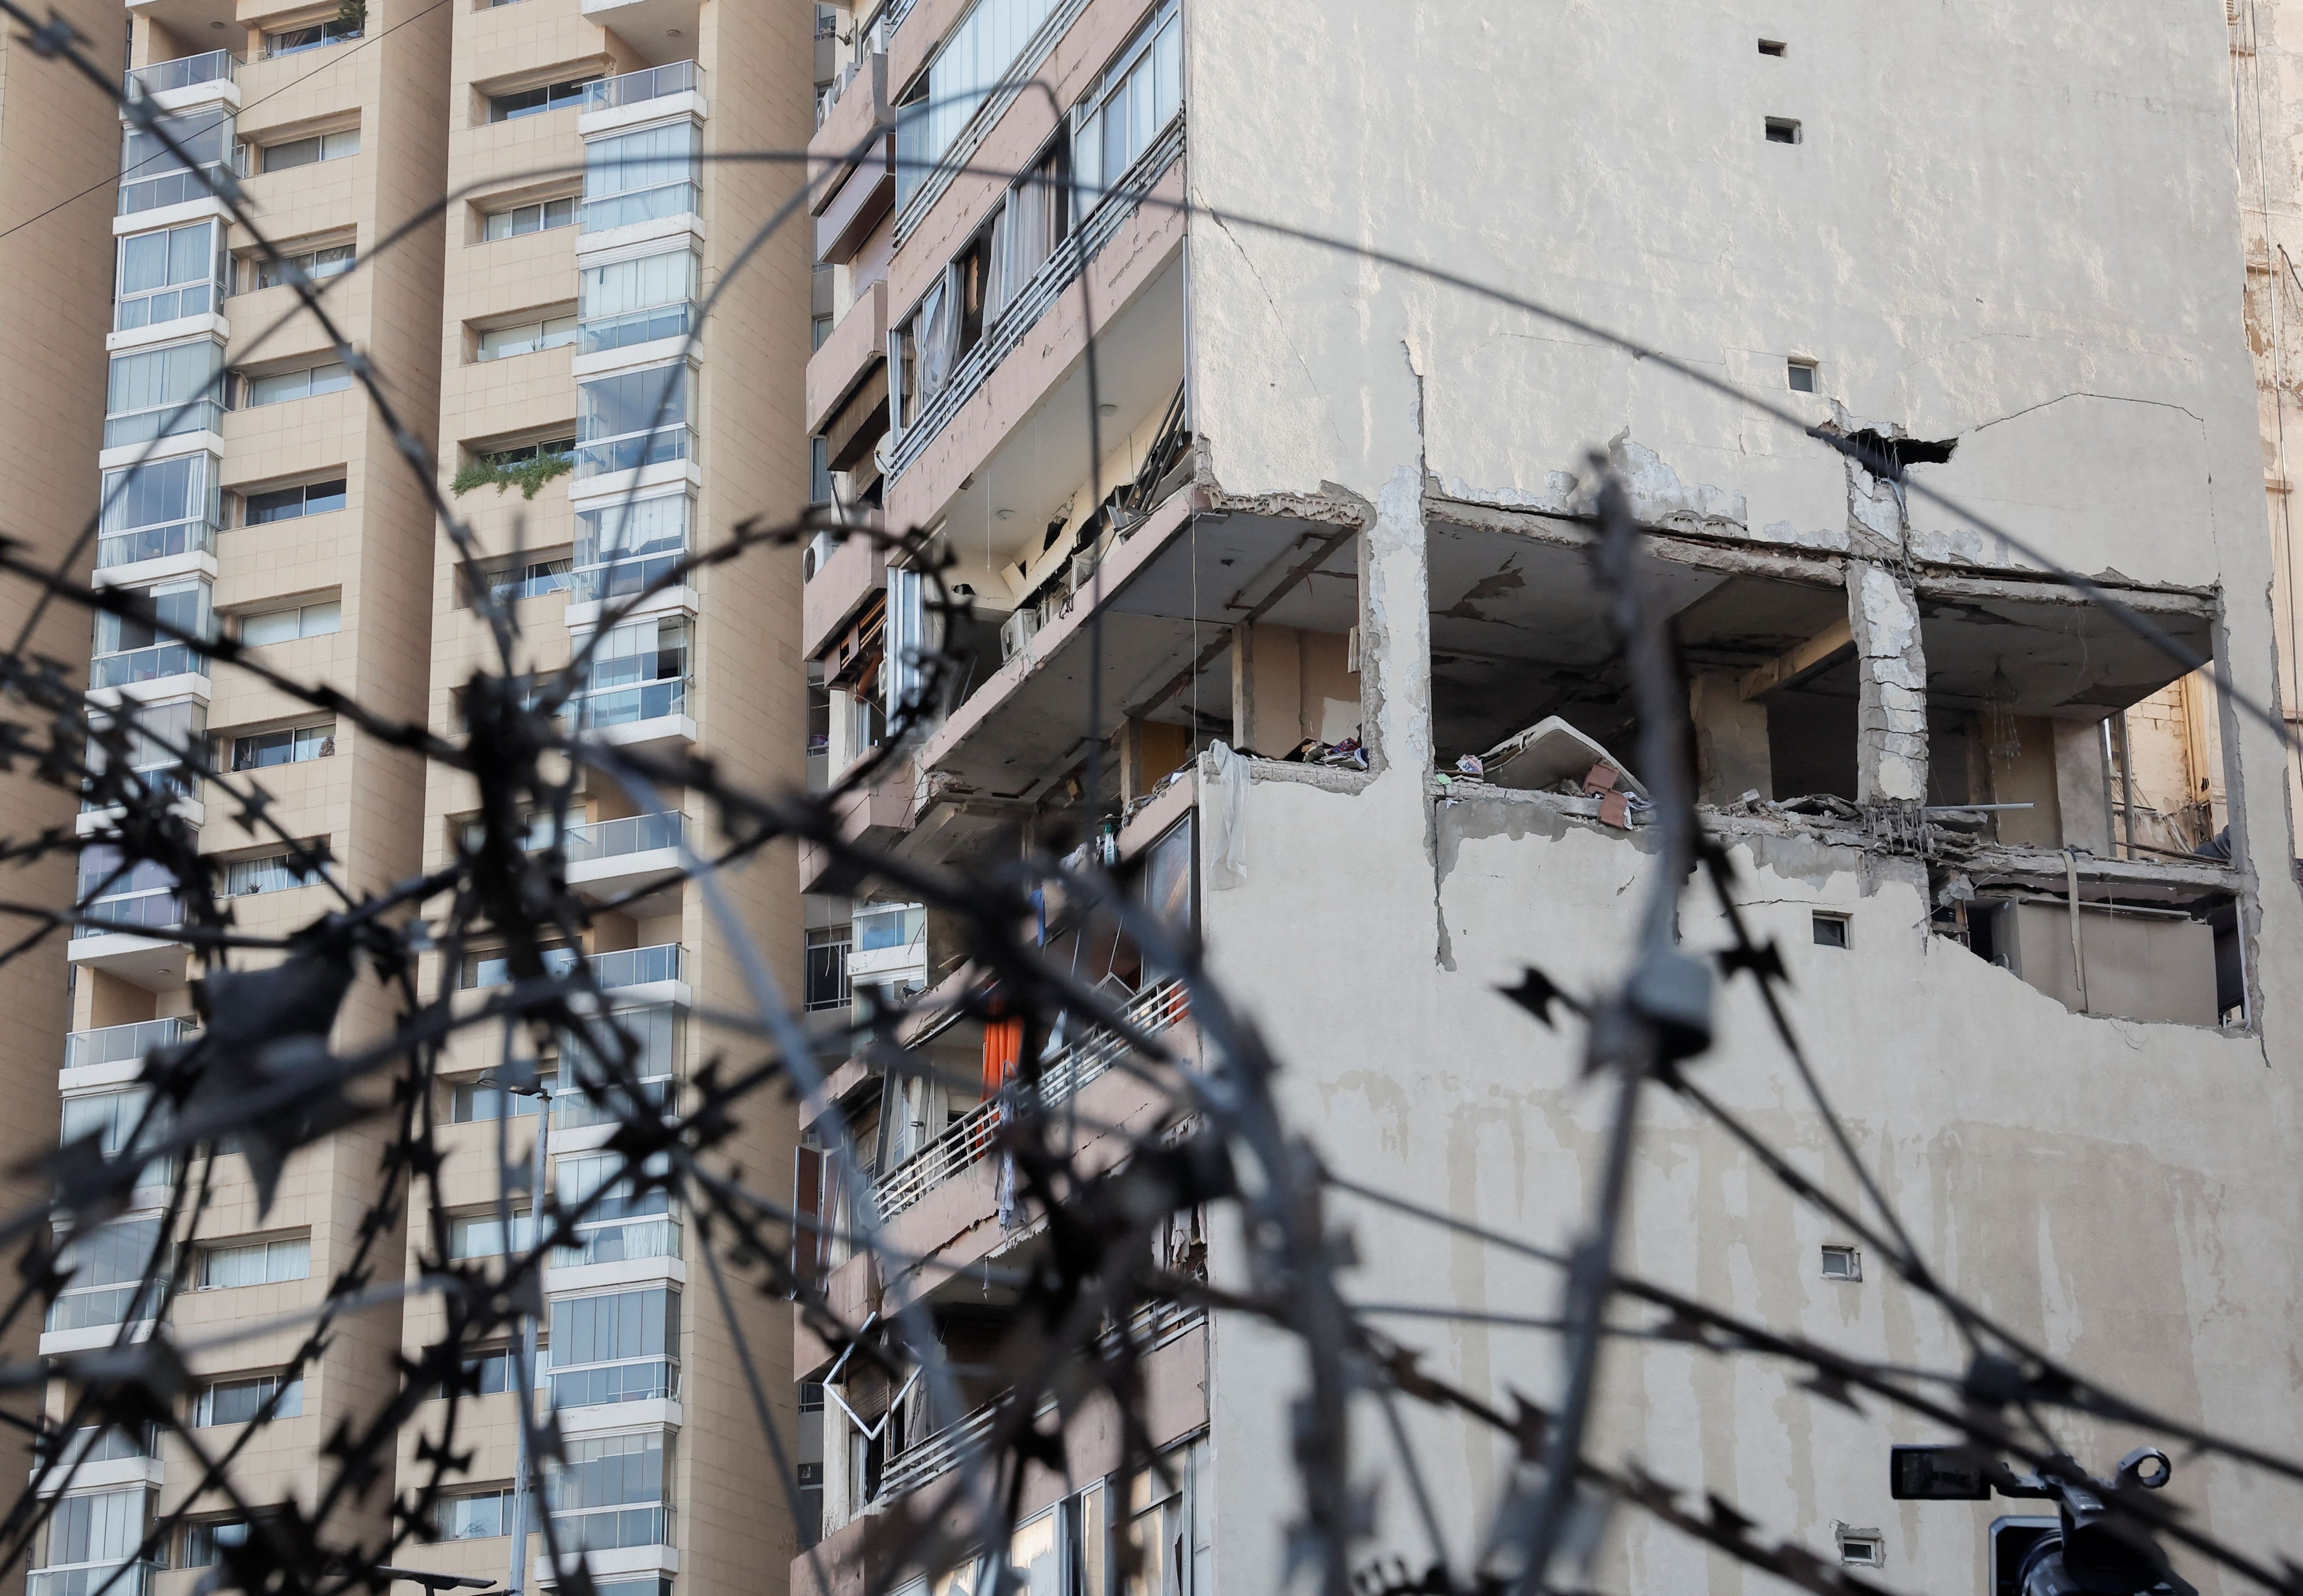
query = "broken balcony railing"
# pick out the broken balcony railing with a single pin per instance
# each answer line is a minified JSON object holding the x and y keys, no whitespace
{"x":969,"y":1137}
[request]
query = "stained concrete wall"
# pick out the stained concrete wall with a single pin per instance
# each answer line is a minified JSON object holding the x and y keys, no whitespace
{"x":2019,"y":229}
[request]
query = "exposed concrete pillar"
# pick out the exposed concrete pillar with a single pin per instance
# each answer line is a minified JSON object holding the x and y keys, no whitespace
{"x":1731,"y":741}
{"x":1891,"y":754}
{"x":1396,"y":628}
{"x":2083,"y":786}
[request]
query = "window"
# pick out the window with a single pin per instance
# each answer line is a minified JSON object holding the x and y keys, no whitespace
{"x":827,"y":967}
{"x":1842,"y":1264}
{"x":819,"y":328}
{"x":1771,"y":47}
{"x":628,"y":546}
{"x":1830,"y":931}
{"x":638,"y":672}
{"x":521,"y":219}
{"x":971,"y":64}
{"x":135,"y":648}
{"x":269,"y":627}
{"x":1864,"y":1549}
{"x":313,"y":35}
{"x":475,"y":1515}
{"x":637,"y":301}
{"x":237,"y":1401}
{"x":643,"y":176}
{"x":267,"y":872}
{"x":164,"y":392}
{"x":500,"y":343}
{"x":472,"y":1104}
{"x":312,"y":265}
{"x":582,"y":1094}
{"x":303,"y":152}
{"x":114,"y":1118}
{"x":1139,"y":93}
{"x":531,"y":101}
{"x":482,"y":1234}
{"x":619,"y":1220}
{"x":290,"y":503}
{"x":280,"y":388}
{"x":631,"y":419}
{"x":882,"y":926}
{"x":158,"y":739}
{"x":613,"y":1491}
{"x":1782,"y":129}
{"x":531,"y":578}
{"x":494,"y":969}
{"x":256,"y":1263}
{"x":150,"y":173}
{"x":492,"y":1373}
{"x":97,"y":1532}
{"x":202,"y":1539}
{"x":173,"y":273}
{"x":260,"y":750}
{"x":623,"y":1346}
{"x":106,"y":1275}
{"x":160,"y":508}
{"x":1801,"y":374}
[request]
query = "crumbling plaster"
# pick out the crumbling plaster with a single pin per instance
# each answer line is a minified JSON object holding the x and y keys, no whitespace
{"x":2013,"y":228}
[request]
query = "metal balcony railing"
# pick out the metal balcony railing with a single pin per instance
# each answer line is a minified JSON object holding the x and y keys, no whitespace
{"x":609,"y":94}
{"x":215,"y":66}
{"x":634,"y":833}
{"x":939,"y":1454}
{"x":119,"y":1044}
{"x":969,"y":1137}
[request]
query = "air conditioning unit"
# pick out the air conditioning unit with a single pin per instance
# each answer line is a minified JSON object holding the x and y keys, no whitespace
{"x":1017,"y":630}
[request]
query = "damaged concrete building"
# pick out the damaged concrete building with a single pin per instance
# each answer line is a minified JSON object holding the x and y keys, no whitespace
{"x":1289,"y":589}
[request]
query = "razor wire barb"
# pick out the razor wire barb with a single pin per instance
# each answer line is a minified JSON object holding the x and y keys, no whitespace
{"x":275,"y":1069}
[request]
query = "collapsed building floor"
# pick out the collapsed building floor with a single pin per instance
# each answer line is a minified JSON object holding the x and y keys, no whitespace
{"x":2060,"y":774}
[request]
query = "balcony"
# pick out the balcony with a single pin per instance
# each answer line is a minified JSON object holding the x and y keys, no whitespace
{"x":632,"y":451}
{"x":163,"y":421}
{"x":969,"y":1138}
{"x":168,"y":77}
{"x":111,"y":1579}
{"x":633,"y":88}
{"x":664,"y":962}
{"x":606,"y":333}
{"x":174,"y":188}
{"x":614,"y":858}
{"x":196,"y":536}
{"x":658,"y":204}
{"x":646,"y":714}
{"x":122,"y":1044}
{"x":155,"y":663}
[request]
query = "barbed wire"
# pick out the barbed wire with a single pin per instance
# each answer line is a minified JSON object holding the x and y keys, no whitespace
{"x":273,"y":1070}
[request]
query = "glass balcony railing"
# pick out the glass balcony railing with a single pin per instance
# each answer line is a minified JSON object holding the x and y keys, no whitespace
{"x":641,"y":205}
{"x":146,"y":664}
{"x":120,"y":1044}
{"x":627,"y":706}
{"x":620,"y":579}
{"x":216,"y":66}
{"x":113,"y":1579}
{"x":607,"y":332}
{"x":155,"y":543}
{"x":633,"y":450}
{"x":619,"y":1242}
{"x":609,"y":94}
{"x":144,"y":912}
{"x":104,"y":1304}
{"x":173,"y":188}
{"x":634,"y":833}
{"x":638,"y":967}
{"x":646,"y":1380}
{"x":163,"y":421}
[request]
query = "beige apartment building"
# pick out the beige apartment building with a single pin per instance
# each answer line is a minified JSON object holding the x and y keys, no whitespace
{"x":1331,"y":514}
{"x":542,"y":328}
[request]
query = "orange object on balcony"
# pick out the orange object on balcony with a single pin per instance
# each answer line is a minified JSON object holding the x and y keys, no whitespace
{"x":1003,"y":1050}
